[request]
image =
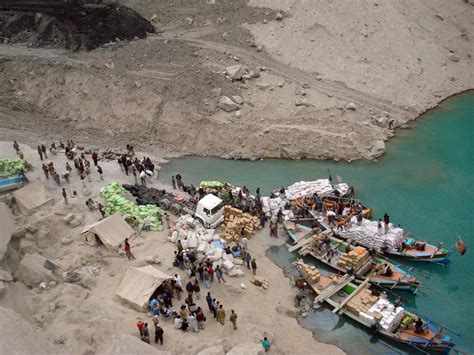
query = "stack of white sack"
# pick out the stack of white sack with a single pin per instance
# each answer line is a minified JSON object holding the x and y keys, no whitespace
{"x":271,"y":206}
{"x":322,"y":187}
{"x":201,"y":241}
{"x":391,"y":315}
{"x":368,"y":234}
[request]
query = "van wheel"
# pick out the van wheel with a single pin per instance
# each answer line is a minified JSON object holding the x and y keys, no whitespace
{"x":175,"y":209}
{"x":165,"y":203}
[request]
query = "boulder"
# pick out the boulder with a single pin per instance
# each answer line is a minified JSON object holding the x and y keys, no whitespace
{"x":227,"y":104}
{"x":235,"y":72}
{"x":66,"y":241}
{"x":453,"y":57}
{"x":302,"y":101}
{"x":351,"y":106}
{"x":28,"y":247}
{"x":76,"y":222}
{"x":71,"y":276}
{"x":68,"y":218}
{"x":237,"y":99}
{"x":5,"y":276}
{"x":279,"y":16}
{"x":32,"y":270}
{"x":216,"y":92}
{"x":378,"y":149}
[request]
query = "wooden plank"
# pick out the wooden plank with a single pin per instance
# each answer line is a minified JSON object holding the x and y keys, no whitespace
{"x":336,"y":288}
{"x":351,"y":296}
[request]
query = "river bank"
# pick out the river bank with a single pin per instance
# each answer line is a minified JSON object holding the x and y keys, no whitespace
{"x":423,"y":181}
{"x":87,"y":317}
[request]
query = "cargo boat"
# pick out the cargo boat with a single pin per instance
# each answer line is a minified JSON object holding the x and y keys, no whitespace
{"x":372,"y":310}
{"x":346,"y":258}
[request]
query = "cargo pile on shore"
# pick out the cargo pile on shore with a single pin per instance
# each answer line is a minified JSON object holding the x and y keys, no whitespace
{"x":236,"y":221}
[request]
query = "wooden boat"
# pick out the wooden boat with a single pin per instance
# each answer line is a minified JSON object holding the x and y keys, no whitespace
{"x":11,"y":183}
{"x":417,"y":250}
{"x":372,"y":310}
{"x":346,"y":258}
{"x":411,"y":249}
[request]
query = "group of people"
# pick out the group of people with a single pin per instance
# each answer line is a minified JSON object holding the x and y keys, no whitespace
{"x":139,"y":168}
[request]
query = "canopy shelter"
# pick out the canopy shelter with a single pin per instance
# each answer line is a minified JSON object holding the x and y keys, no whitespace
{"x":7,"y":223}
{"x":110,"y":231}
{"x":31,"y":197}
{"x":139,"y":285}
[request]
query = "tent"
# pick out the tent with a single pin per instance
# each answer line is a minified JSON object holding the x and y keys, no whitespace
{"x":111,"y":231}
{"x":7,"y":228}
{"x":139,"y":284}
{"x":31,"y":197}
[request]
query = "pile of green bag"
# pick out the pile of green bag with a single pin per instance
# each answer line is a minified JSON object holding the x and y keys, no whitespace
{"x":211,"y":184}
{"x":115,"y":201}
{"x":10,"y":167}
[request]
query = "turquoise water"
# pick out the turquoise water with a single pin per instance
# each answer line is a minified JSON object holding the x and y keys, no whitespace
{"x":425,"y":182}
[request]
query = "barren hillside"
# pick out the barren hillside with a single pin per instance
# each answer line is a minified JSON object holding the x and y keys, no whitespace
{"x":296,"y":79}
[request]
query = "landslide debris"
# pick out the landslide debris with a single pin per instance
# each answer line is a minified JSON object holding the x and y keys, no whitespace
{"x":76,"y":30}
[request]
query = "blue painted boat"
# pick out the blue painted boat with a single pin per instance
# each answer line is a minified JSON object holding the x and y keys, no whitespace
{"x":11,"y":183}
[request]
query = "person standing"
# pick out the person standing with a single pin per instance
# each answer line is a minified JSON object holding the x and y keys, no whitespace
{"x":159,"y":334}
{"x":173,"y":182}
{"x":379,"y":228}
{"x":65,"y":196}
{"x":254,"y":266}
{"x":233,"y":318}
{"x":40,"y":152}
{"x":386,"y":220}
{"x":128,"y":251}
{"x":45,"y":171}
{"x":100,"y":171}
{"x":209,"y":302}
{"x":16,"y":147}
{"x":221,"y":315}
{"x":197,"y":289}
{"x":43,"y":150}
{"x":145,"y":333}
{"x":95,"y":157}
{"x":248,"y":259}
{"x":101,"y":209}
{"x":266,"y":344}
{"x":219,"y":274}
{"x":200,"y":317}
{"x":167,"y":220}
{"x":56,"y":178}
{"x":83,"y":181}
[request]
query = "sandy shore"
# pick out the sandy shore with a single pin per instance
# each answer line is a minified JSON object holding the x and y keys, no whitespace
{"x":73,"y":319}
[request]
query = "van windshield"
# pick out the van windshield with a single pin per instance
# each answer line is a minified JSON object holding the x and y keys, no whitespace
{"x":217,"y":208}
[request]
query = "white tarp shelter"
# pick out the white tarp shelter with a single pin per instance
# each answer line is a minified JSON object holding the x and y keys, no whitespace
{"x":31,"y":197}
{"x":112,"y":231}
{"x":139,"y":284}
{"x":7,"y":227}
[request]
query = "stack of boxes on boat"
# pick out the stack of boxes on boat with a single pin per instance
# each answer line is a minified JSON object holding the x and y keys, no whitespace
{"x":322,"y":187}
{"x":368,"y":235}
{"x":235,"y":220}
{"x":374,"y":309}
{"x":310,"y":273}
{"x":355,"y":259}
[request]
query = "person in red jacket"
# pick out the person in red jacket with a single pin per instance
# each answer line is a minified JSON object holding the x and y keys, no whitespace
{"x":127,"y":250}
